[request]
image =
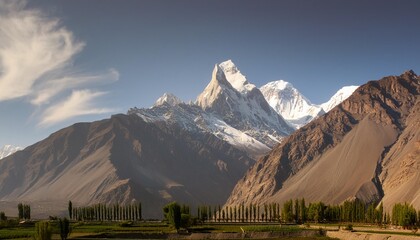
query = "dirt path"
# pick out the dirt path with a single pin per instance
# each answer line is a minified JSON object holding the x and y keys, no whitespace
{"x":368,"y":236}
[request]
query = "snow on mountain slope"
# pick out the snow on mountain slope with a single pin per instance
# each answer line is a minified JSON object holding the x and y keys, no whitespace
{"x":241,"y":105}
{"x":236,"y":111}
{"x":290,"y":103}
{"x":230,"y":108}
{"x":193,"y":119}
{"x":8,"y":150}
{"x":168,"y":98}
{"x":296,"y":108}
{"x":235,"y":77}
{"x":337,"y":98}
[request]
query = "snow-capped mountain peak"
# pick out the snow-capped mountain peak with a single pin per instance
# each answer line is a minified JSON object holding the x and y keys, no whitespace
{"x":296,"y":108}
{"x":228,"y":66}
{"x":290,"y":103}
{"x":338,"y":97}
{"x":241,"y":105}
{"x":235,"y":77}
{"x":8,"y":150}
{"x":279,"y":85}
{"x":216,"y":86}
{"x":168,"y":98}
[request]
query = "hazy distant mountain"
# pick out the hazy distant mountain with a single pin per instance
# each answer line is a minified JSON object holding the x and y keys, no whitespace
{"x":366,"y":147}
{"x":8,"y":150}
{"x":338,"y":97}
{"x":295,"y":108}
{"x":290,"y":103}
{"x":119,"y":160}
{"x":168,"y":98}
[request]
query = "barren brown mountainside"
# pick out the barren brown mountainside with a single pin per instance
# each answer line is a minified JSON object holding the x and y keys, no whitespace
{"x":121,"y":159}
{"x":367,"y":147}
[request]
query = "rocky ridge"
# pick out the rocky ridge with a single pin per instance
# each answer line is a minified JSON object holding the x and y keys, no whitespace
{"x":352,"y":151}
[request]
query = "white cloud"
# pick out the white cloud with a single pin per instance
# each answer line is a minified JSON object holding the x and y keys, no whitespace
{"x":36,"y":61}
{"x":48,"y":89}
{"x":79,"y":103}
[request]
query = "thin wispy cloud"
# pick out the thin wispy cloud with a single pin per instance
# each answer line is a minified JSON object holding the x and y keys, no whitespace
{"x":36,"y":62}
{"x":50,"y":88}
{"x":80,"y":102}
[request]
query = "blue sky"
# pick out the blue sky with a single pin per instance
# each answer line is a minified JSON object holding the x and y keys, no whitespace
{"x":64,"y":61}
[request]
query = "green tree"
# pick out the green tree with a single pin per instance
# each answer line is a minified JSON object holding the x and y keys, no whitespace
{"x":287,"y":211}
{"x":64,"y":228}
{"x":302,"y":212}
{"x":185,"y":220}
{"x":371,"y":213}
{"x":42,"y":231}
{"x":26,"y":211}
{"x":20,"y":210}
{"x":219,"y":214}
{"x":70,"y":208}
{"x":3,"y":216}
{"x":172,"y":213}
{"x":404,"y":215}
{"x":380,"y":214}
{"x":297,"y":211}
{"x":203,"y":213}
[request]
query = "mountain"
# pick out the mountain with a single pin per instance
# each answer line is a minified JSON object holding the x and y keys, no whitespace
{"x":122,"y":159}
{"x":367,"y":147}
{"x":190,"y":153}
{"x":168,"y":98}
{"x":296,"y":109}
{"x":290,"y":103}
{"x":338,"y":97}
{"x":240,"y":104}
{"x":193,"y":153}
{"x":230,"y":108}
{"x":8,"y":150}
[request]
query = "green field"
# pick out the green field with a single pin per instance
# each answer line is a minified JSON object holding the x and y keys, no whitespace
{"x":91,"y":230}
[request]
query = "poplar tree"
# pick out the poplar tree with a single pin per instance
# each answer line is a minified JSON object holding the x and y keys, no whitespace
{"x":70,"y":208}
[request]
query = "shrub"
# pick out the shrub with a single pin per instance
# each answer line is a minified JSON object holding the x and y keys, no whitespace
{"x":322,"y":232}
{"x":42,"y":231}
{"x":349,"y":227}
{"x":126,"y":224}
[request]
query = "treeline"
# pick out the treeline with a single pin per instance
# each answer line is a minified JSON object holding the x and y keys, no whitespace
{"x":104,"y":212}
{"x":24,"y":212}
{"x":297,"y":211}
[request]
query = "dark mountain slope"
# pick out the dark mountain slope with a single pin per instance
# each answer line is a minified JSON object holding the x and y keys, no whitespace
{"x":120,"y":160}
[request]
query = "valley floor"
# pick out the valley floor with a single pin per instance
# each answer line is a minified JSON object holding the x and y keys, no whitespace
{"x":158,"y":230}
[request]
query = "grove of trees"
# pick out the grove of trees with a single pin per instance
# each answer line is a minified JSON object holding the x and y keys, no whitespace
{"x":24,"y":211}
{"x":104,"y":212}
{"x":176,"y":215}
{"x":297,"y":211}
